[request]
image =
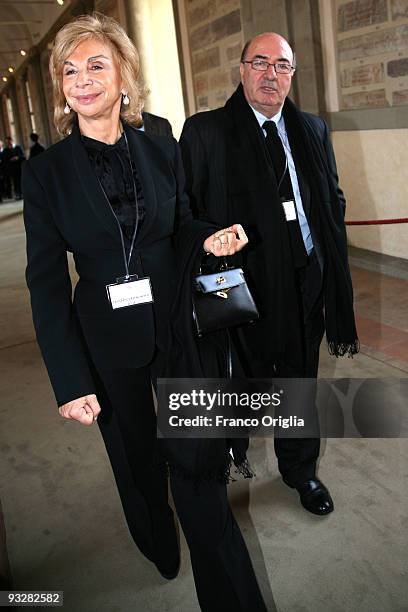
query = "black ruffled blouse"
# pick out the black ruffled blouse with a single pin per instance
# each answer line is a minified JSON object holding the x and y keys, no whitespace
{"x":112,"y":166}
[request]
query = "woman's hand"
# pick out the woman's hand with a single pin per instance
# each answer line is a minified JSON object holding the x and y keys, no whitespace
{"x":225,"y":241}
{"x":83,"y":409}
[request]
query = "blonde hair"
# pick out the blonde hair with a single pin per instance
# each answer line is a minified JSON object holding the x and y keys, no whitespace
{"x":109,"y":32}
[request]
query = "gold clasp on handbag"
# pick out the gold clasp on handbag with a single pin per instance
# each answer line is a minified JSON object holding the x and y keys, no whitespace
{"x":222,"y":294}
{"x":220,"y":280}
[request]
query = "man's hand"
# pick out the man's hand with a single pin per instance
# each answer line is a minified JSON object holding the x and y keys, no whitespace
{"x":83,"y":409}
{"x":225,"y":241}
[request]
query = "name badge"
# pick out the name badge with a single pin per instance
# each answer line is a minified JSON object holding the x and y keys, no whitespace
{"x":129,"y":291}
{"x":290,"y":210}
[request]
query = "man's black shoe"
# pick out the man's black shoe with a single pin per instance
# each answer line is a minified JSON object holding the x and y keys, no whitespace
{"x":314,"y":497}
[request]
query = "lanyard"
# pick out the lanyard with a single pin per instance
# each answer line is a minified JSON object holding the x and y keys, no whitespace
{"x":126,"y":260}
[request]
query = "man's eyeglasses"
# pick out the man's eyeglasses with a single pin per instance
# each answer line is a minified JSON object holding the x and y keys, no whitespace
{"x":262,"y":66}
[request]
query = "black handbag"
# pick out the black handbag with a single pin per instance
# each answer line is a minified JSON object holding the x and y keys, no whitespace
{"x":222,"y":300}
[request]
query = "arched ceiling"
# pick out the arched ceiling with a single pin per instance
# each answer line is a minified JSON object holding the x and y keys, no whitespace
{"x":23,"y":23}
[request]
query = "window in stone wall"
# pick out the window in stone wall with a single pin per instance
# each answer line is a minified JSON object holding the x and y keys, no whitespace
{"x":215,"y":41}
{"x":30,"y":107}
{"x":372,"y":53}
{"x":10,"y":115}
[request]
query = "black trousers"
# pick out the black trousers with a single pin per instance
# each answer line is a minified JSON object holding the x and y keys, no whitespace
{"x":297,"y":457}
{"x":222,"y":569}
{"x":7,"y":184}
{"x":16,"y":177}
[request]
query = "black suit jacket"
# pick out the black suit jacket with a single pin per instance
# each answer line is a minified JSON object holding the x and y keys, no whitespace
{"x":65,"y":210}
{"x":159,"y":126}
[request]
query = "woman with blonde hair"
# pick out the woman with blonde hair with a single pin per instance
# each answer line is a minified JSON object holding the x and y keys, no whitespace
{"x":113,"y":196}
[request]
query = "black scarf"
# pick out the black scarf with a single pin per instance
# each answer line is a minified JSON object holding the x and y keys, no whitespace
{"x":252,"y":184}
{"x":341,"y":333}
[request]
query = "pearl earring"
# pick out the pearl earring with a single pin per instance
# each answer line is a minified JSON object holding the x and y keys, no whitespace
{"x":125,"y":99}
{"x":67,"y":109}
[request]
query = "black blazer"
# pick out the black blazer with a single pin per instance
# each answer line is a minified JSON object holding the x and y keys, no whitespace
{"x":153,"y":124}
{"x":65,"y":210}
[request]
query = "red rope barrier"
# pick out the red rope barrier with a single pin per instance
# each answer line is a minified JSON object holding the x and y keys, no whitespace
{"x":378,"y":222}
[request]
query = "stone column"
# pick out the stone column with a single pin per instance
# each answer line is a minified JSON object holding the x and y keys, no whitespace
{"x":3,"y":129}
{"x":41,"y":103}
{"x":16,"y":112}
{"x":151,"y":27}
{"x":304,"y":34}
{"x":4,"y":117}
{"x":139,"y":30}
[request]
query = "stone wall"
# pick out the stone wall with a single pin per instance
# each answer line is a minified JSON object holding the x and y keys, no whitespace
{"x":23,"y":113}
{"x":372,"y":171}
{"x":5,"y":117}
{"x":215,"y":40}
{"x":372,"y":48}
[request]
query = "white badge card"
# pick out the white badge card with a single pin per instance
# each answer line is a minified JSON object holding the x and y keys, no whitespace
{"x":130,"y":292}
{"x":290,"y":210}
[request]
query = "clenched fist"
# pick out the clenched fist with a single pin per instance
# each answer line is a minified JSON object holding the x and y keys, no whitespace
{"x":83,"y":409}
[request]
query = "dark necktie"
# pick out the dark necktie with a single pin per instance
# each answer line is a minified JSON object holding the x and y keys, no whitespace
{"x":278,"y":159}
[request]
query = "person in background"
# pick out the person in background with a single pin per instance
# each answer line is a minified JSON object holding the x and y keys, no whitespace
{"x":35,"y":148}
{"x":12,"y":158}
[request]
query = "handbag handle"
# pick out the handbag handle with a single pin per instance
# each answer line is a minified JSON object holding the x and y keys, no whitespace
{"x":222,"y":266}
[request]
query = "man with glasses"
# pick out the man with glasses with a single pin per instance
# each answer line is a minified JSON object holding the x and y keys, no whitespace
{"x":261,"y":162}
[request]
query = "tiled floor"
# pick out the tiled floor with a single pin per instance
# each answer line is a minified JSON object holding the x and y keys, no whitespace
{"x":381,"y":306}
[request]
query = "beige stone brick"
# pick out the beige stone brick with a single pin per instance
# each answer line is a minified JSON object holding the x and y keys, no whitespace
{"x":219,"y":80}
{"x":400,"y":97}
{"x":200,"y":38}
{"x":398,"y":68}
{"x":226,"y":25}
{"x":361,"y":13}
{"x":215,"y":30}
{"x":365,"y":99}
{"x":206,"y":59}
{"x":226,"y":6}
{"x":362,"y":75}
{"x":376,"y":43}
{"x":200,"y":12}
{"x":201,"y":84}
{"x":234,"y":51}
{"x":399,"y":8}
